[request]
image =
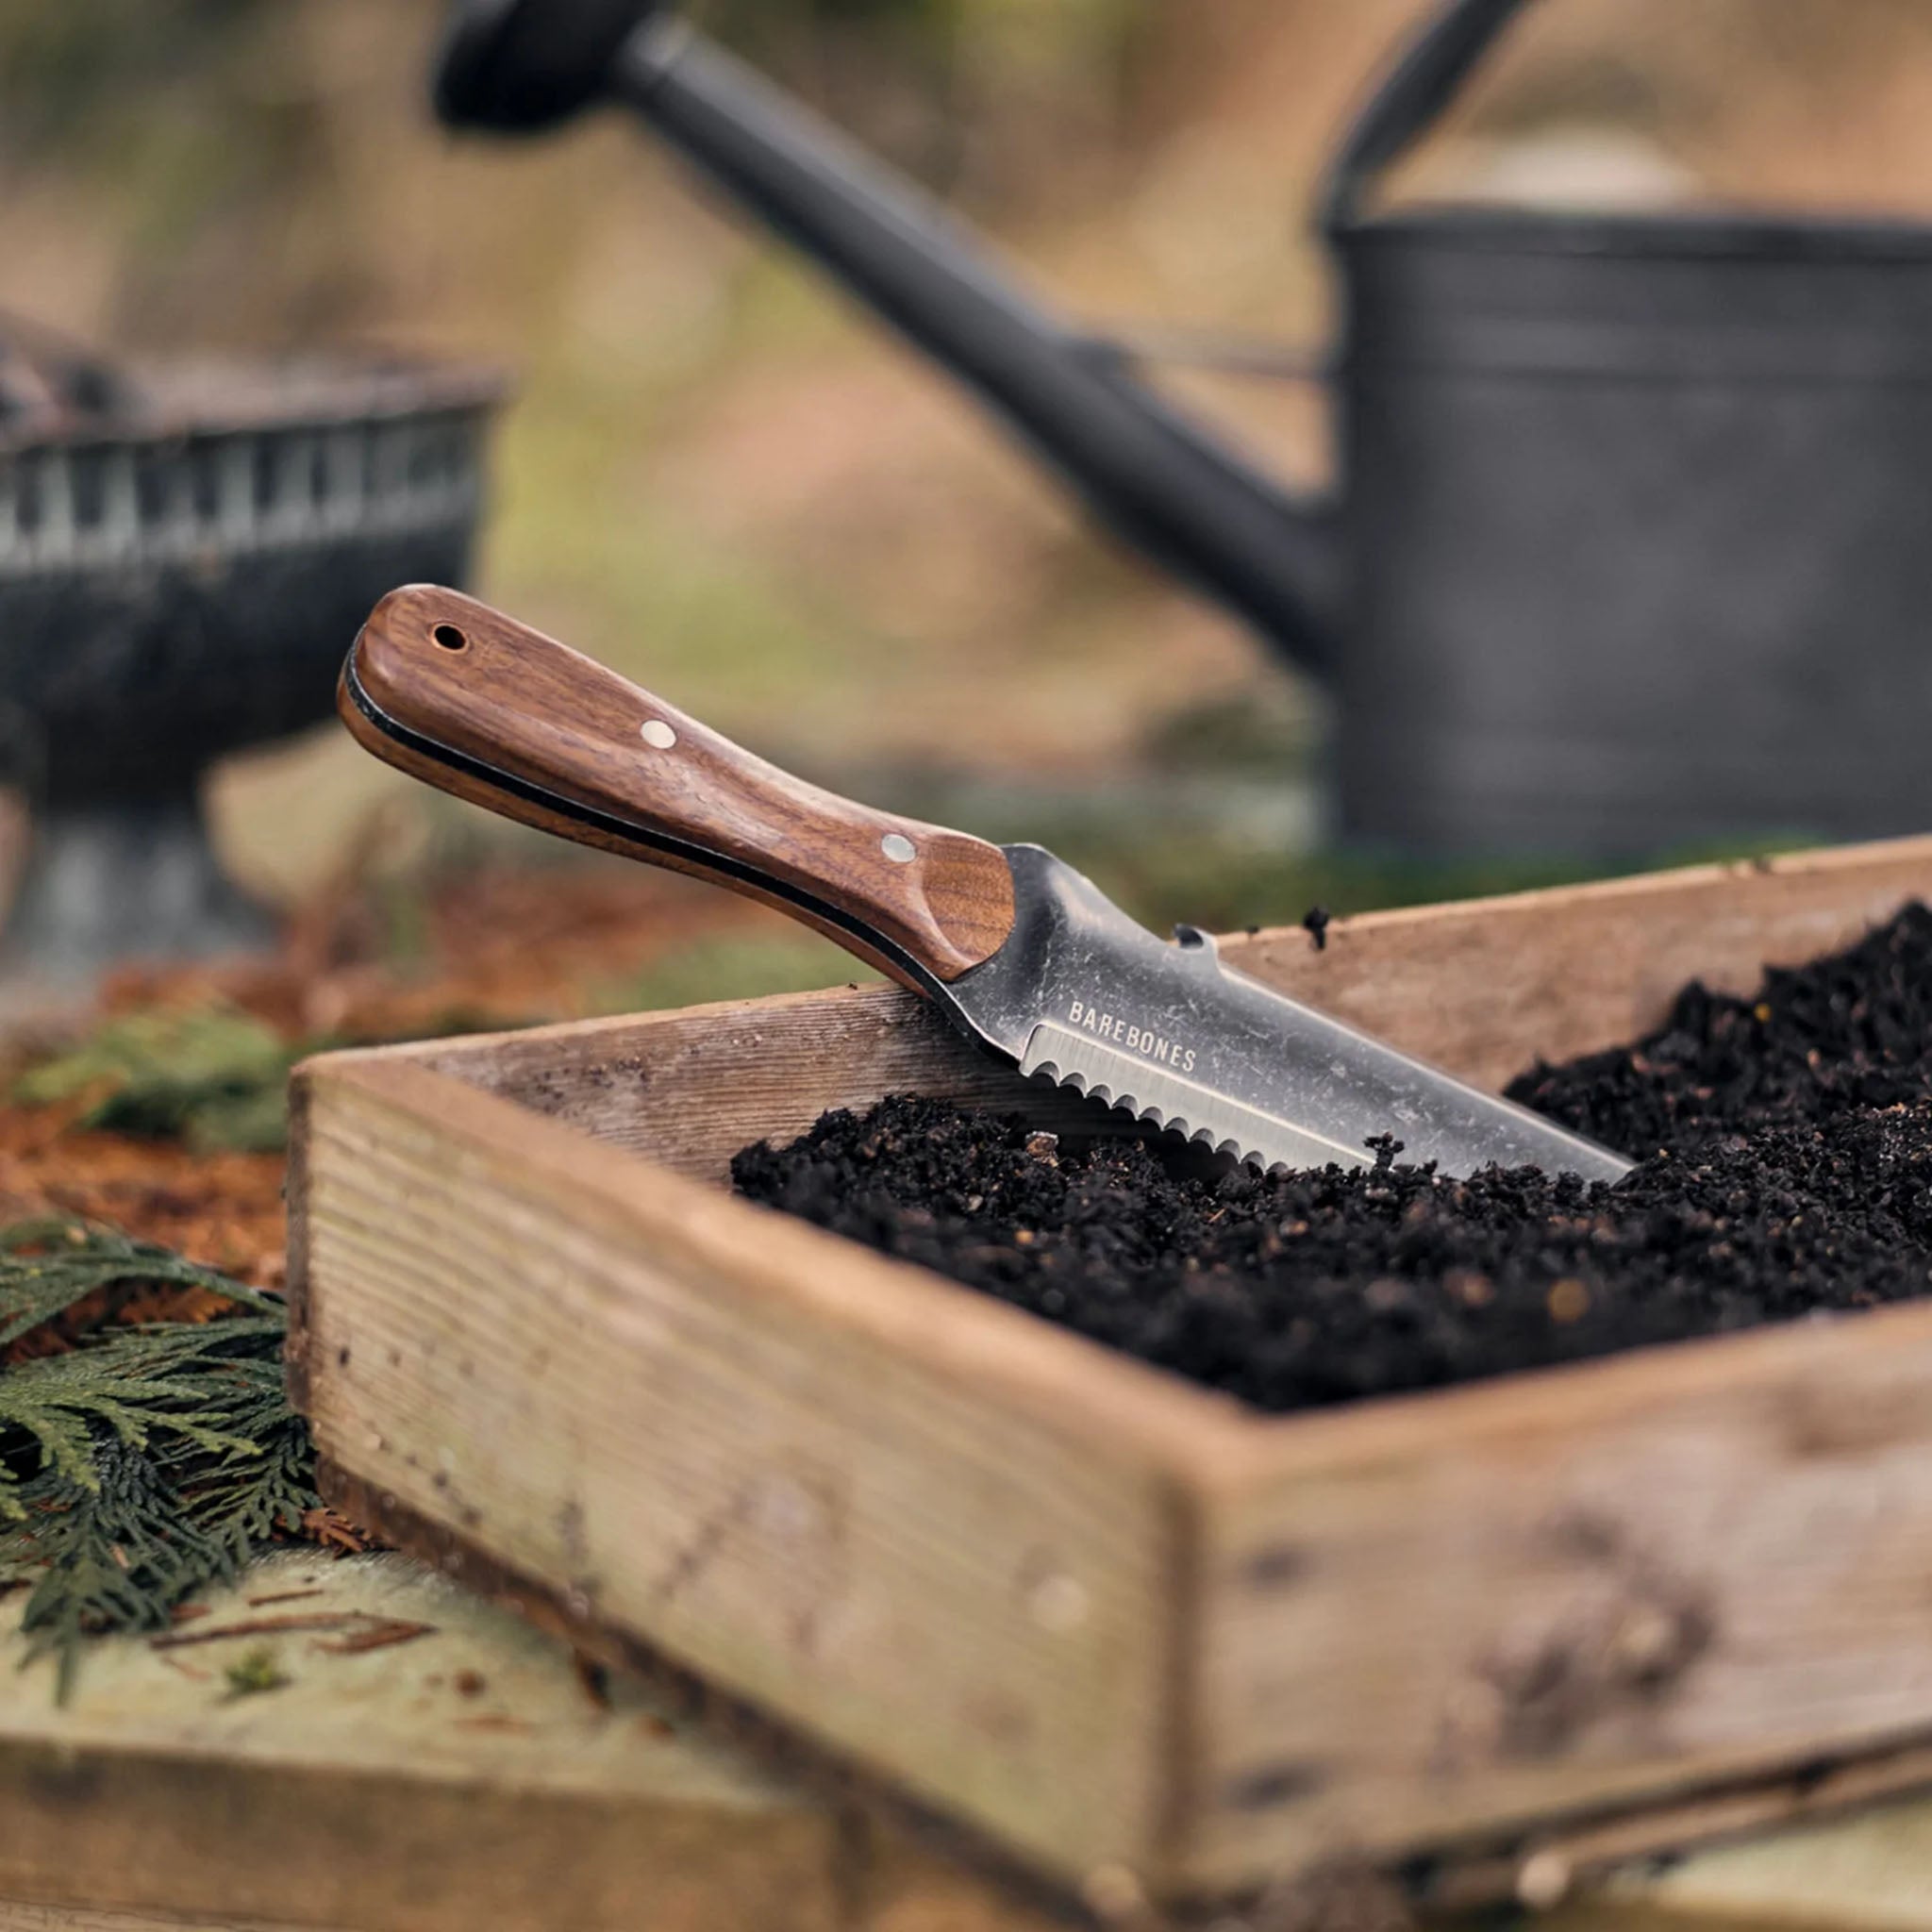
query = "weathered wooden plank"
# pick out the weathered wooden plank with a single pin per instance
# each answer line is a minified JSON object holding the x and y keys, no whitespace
{"x":838,"y":1487}
{"x":26,"y":1918}
{"x":1868,"y":1873}
{"x":23,"y":1918}
{"x":463,"y":1781}
{"x":1679,"y":1570}
{"x":690,"y":1088}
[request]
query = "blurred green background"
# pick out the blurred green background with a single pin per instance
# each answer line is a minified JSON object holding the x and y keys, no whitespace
{"x":722,"y":479}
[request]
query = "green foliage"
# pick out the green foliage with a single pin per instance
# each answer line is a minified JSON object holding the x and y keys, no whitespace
{"x":253,"y":1671}
{"x":209,"y":1076}
{"x":50,"y":1266}
{"x":144,"y":1463}
{"x":65,"y":66}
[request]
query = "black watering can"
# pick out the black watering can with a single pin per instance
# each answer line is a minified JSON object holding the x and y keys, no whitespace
{"x":1636,"y":541}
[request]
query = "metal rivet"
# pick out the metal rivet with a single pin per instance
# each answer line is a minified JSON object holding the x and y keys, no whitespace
{"x":658,"y":734}
{"x":1543,"y":1879}
{"x":898,"y":848}
{"x":1057,"y":1603}
{"x":1113,"y":1893}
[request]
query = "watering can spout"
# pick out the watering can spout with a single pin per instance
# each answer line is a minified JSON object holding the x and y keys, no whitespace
{"x":1155,"y":475}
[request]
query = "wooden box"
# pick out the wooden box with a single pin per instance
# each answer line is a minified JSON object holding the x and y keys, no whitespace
{"x":1109,"y":1622}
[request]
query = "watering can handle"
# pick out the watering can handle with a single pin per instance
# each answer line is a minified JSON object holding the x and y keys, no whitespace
{"x":1161,"y":480}
{"x":1413,"y":93}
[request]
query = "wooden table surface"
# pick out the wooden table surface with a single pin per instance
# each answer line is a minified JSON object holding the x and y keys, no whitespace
{"x":469,"y":1778}
{"x":1867,"y":1872}
{"x":465,"y":1778}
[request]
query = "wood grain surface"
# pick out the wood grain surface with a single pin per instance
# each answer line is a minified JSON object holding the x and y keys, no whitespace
{"x":1869,"y":1873}
{"x":461,"y":1778}
{"x":862,"y":1495}
{"x":17,"y":1917}
{"x":466,"y":1779}
{"x":1487,"y":986}
{"x":468,"y":678}
{"x":1673,"y":1574}
{"x":1104,"y":1617}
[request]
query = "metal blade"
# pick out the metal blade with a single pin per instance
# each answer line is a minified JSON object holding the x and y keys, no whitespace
{"x":1167,"y":1033}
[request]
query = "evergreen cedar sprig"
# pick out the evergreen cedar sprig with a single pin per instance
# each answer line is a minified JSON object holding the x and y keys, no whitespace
{"x":139,"y":1463}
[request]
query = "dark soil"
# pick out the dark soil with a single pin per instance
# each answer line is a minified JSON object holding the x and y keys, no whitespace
{"x":1786,"y":1171}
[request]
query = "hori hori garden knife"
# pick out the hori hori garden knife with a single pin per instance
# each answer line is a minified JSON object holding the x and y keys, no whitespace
{"x":1018,"y":950}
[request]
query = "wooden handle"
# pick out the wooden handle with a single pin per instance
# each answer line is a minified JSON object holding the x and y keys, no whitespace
{"x":480,"y":705}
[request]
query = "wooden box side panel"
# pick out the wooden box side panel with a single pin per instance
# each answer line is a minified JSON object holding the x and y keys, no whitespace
{"x":816,"y":1517}
{"x":689,"y":1089}
{"x":1668,"y":1571}
{"x":1483,"y":987}
{"x":1487,"y":986}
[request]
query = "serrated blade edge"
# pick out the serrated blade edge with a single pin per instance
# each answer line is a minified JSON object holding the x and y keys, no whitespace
{"x":1177,"y":1105}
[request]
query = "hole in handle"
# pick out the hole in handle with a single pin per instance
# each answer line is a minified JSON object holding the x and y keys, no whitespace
{"x":450,"y":638}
